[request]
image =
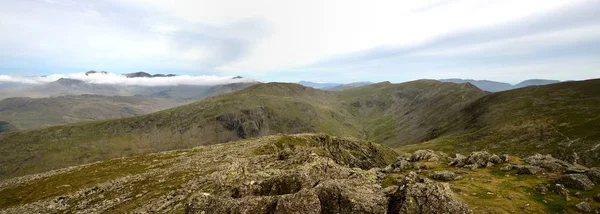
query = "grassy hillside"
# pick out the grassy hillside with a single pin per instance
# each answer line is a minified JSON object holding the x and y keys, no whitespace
{"x":392,"y":114}
{"x":411,"y":112}
{"x":561,"y":119}
{"x":27,"y":113}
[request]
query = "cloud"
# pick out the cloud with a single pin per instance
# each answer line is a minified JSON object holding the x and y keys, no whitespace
{"x":111,"y":78}
{"x":540,"y":42}
{"x":68,"y":35}
{"x":293,"y":40}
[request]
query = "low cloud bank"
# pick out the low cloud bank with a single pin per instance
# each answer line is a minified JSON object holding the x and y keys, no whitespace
{"x":111,"y":78}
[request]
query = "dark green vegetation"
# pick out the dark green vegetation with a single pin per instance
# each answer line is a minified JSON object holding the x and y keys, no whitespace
{"x":560,"y":119}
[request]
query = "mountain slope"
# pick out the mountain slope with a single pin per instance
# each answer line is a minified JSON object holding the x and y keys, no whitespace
{"x":174,"y":93}
{"x":27,"y":113}
{"x":347,"y":86}
{"x":393,"y":114}
{"x":533,"y":82}
{"x":485,"y":85}
{"x":560,"y":119}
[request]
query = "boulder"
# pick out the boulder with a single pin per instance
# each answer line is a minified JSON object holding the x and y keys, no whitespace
{"x":575,"y":181}
{"x":594,"y":174}
{"x":417,"y":195}
{"x":508,"y":167}
{"x":561,"y":190}
{"x":495,"y":159}
{"x":576,"y":168}
{"x":549,"y":163}
{"x":479,"y":158}
{"x":541,"y":188}
{"x":400,"y":165}
{"x":583,"y":207}
{"x":427,"y":155}
{"x":528,"y":170}
{"x":505,"y":158}
{"x":444,"y":176}
{"x":476,"y":160}
{"x":458,"y":161}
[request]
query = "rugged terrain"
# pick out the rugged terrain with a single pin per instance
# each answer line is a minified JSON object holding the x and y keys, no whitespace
{"x":307,"y":173}
{"x":557,"y":119}
{"x":392,"y":114}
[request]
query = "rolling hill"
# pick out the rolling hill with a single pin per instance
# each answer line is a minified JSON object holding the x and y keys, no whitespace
{"x":559,"y":119}
{"x":68,"y":101}
{"x":493,"y":86}
{"x":393,"y":114}
{"x":27,"y":113}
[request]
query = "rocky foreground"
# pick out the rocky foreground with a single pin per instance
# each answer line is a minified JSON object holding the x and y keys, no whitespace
{"x":309,"y":174}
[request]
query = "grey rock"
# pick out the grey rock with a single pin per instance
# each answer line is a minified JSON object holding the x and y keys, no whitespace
{"x":444,"y":176}
{"x":400,"y":165}
{"x":427,"y":155}
{"x":495,"y":159}
{"x":528,"y":170}
{"x":479,"y":158}
{"x":576,"y":181}
{"x":418,"y":195}
{"x":508,"y":167}
{"x":541,"y":188}
{"x":505,"y":158}
{"x":584,"y":207}
{"x":561,"y":190}
{"x":458,"y":161}
{"x":549,"y":163}
{"x":576,"y":168}
{"x":594,"y":174}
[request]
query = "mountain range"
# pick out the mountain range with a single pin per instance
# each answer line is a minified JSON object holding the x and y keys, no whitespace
{"x":71,"y":100}
{"x":242,"y":151}
{"x":333,"y":86}
{"x":493,"y":86}
{"x":461,"y":117}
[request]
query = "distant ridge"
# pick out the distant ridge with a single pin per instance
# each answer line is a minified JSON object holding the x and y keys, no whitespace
{"x":493,"y":86}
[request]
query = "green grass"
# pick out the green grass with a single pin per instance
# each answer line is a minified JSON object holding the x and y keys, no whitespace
{"x":453,"y":118}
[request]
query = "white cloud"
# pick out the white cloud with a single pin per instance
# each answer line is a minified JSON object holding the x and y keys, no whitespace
{"x":261,"y":38}
{"x":111,"y":78}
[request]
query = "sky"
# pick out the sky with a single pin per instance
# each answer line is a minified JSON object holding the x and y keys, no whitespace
{"x":322,"y":41}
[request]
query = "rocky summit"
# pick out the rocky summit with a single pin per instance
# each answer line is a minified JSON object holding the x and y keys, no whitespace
{"x":303,"y":173}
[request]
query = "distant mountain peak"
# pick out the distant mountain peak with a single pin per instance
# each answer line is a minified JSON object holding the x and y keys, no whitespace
{"x":147,"y":75}
{"x":95,"y":72}
{"x":137,"y":74}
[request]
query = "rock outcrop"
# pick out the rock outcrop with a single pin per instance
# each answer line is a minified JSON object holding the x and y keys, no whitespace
{"x":584,"y":207}
{"x":594,"y":175}
{"x":476,"y":160}
{"x":575,"y":181}
{"x":418,"y":195}
{"x":444,"y":176}
{"x":549,"y":163}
